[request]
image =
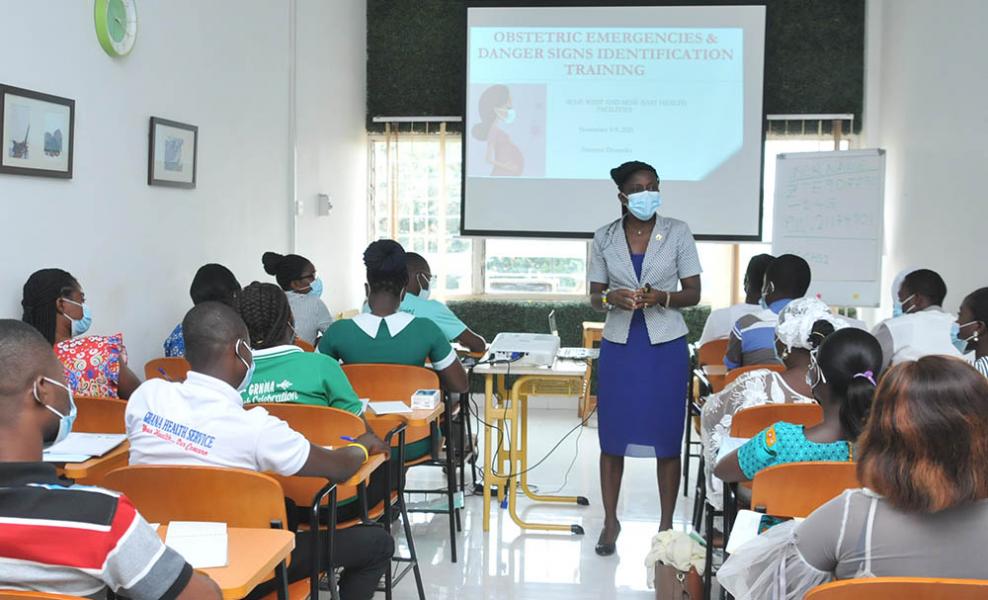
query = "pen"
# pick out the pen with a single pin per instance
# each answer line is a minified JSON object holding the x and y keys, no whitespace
{"x":347,"y":438}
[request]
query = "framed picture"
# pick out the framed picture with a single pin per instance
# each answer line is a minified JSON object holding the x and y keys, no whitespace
{"x":37,"y":132}
{"x":172,"y":152}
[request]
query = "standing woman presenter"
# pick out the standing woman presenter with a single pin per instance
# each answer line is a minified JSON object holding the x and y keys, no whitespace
{"x":643,"y":268}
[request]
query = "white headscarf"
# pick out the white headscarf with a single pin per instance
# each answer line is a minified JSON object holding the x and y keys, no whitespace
{"x":797,"y":318}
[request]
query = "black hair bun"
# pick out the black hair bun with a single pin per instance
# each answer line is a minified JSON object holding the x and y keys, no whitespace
{"x":385,"y":256}
{"x":821,"y":329}
{"x":271,"y":262}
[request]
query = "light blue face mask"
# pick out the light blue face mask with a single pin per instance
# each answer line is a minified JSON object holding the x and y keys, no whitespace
{"x":82,"y":325}
{"x":65,"y":422}
{"x":250,"y":368}
{"x":769,"y":289}
{"x":955,"y":336}
{"x":897,"y":309}
{"x":509,"y":116}
{"x":425,"y":289}
{"x":316,"y":288}
{"x":644,"y":204}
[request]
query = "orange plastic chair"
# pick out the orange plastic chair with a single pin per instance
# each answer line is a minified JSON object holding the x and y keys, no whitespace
{"x":380,"y":382}
{"x":100,"y":415}
{"x":750,"y":421}
{"x":172,"y":369}
{"x":712,"y":353}
{"x":237,"y":497}
{"x":322,"y":426}
{"x":304,"y":345}
{"x":16,"y":595}
{"x":898,"y":588}
{"x":733,"y":374}
{"x":797,"y":489}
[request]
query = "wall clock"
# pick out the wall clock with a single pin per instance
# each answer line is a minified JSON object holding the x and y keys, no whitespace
{"x":116,"y":25}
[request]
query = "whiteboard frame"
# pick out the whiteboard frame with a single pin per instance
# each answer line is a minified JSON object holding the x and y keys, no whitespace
{"x":874,"y":295}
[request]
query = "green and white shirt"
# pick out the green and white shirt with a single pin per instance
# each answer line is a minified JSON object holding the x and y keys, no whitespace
{"x":289,"y":374}
{"x":399,"y":339}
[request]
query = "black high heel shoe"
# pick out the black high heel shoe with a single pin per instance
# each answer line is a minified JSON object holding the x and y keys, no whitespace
{"x":607,"y":549}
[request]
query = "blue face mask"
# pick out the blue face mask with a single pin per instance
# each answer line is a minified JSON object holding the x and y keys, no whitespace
{"x":82,"y":325}
{"x":509,"y":116}
{"x":64,"y":421}
{"x":897,"y":309}
{"x":316,"y":288}
{"x":644,"y":204}
{"x":955,"y":336}
{"x":425,"y":288}
{"x":766,"y":291}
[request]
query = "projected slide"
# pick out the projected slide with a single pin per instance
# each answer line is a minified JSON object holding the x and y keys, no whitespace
{"x":556,"y":97}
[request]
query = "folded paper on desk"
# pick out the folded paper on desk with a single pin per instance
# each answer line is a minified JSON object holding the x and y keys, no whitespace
{"x":390,"y":408}
{"x":79,"y":447}
{"x":202,"y":544}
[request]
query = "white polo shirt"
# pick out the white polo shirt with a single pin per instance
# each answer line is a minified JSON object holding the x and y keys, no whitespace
{"x":915,"y":335}
{"x":202,"y":421}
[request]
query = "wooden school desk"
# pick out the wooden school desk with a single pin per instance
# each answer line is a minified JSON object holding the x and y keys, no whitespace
{"x":91,"y":472}
{"x":252,"y":555}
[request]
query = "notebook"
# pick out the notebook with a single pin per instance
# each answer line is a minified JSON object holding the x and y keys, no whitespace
{"x":80,"y":447}
{"x":202,"y":544}
{"x":393,"y":407}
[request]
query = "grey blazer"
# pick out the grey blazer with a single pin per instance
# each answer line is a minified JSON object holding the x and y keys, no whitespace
{"x":671,"y":255}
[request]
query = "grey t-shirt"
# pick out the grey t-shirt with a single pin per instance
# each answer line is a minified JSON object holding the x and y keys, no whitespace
{"x":948,"y":544}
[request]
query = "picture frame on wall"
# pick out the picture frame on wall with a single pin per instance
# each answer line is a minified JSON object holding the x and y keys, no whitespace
{"x":37,"y":133}
{"x":173,"y":153}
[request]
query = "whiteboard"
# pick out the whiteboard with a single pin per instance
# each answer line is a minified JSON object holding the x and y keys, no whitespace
{"x":829,"y":209}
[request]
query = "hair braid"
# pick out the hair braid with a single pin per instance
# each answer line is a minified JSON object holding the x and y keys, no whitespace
{"x":41,"y":290}
{"x":265,"y":309}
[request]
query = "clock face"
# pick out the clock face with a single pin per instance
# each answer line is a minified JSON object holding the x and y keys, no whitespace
{"x":116,"y":25}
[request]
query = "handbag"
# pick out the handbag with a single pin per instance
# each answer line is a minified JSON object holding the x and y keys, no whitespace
{"x":673,"y":584}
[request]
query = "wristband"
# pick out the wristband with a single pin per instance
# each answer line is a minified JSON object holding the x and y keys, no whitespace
{"x":603,"y":299}
{"x":668,"y":299}
{"x":362,"y":447}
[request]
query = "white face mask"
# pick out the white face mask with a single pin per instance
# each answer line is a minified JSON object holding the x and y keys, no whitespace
{"x":425,"y":287}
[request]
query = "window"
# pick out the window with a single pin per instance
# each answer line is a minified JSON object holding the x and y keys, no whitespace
{"x":415,"y":199}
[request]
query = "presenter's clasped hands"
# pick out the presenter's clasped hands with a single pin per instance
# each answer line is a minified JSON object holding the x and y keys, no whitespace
{"x":646,"y":297}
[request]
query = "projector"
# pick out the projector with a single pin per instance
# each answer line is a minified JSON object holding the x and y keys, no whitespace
{"x":525,"y":349}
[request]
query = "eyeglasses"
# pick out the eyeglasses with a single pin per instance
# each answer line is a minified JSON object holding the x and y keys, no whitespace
{"x":635,"y":189}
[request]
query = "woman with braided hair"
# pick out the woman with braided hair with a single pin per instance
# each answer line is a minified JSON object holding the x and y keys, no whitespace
{"x":55,"y":305}
{"x":282,"y":371}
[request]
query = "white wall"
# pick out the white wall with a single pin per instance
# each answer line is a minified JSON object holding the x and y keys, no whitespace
{"x":221,"y":65}
{"x":927,"y":95}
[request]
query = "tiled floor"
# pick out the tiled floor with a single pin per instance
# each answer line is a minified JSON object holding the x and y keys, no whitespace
{"x":508,"y":564}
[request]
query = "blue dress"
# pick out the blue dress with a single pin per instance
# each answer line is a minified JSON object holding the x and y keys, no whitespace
{"x":641,"y":392}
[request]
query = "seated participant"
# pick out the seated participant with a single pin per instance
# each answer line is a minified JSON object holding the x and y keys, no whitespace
{"x":924,"y":328}
{"x":212,"y":283}
{"x":752,"y":340}
{"x":56,"y":537}
{"x":418,"y":304}
{"x":387,"y":335}
{"x":971,"y":332}
{"x":843,"y":375}
{"x":297,"y":277}
{"x":921,"y":512}
{"x":721,"y":321}
{"x":283,"y":372}
{"x":94,"y":365}
{"x":803,"y":324}
{"x":220,"y":432}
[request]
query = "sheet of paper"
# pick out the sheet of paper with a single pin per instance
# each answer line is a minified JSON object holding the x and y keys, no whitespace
{"x":89,"y":444}
{"x":390,"y":408}
{"x":729,"y":444}
{"x":202,"y":544}
{"x":65,"y":458}
{"x":363,"y":404}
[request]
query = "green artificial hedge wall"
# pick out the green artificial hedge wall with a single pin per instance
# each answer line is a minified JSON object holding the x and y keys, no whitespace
{"x":814,"y":56}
